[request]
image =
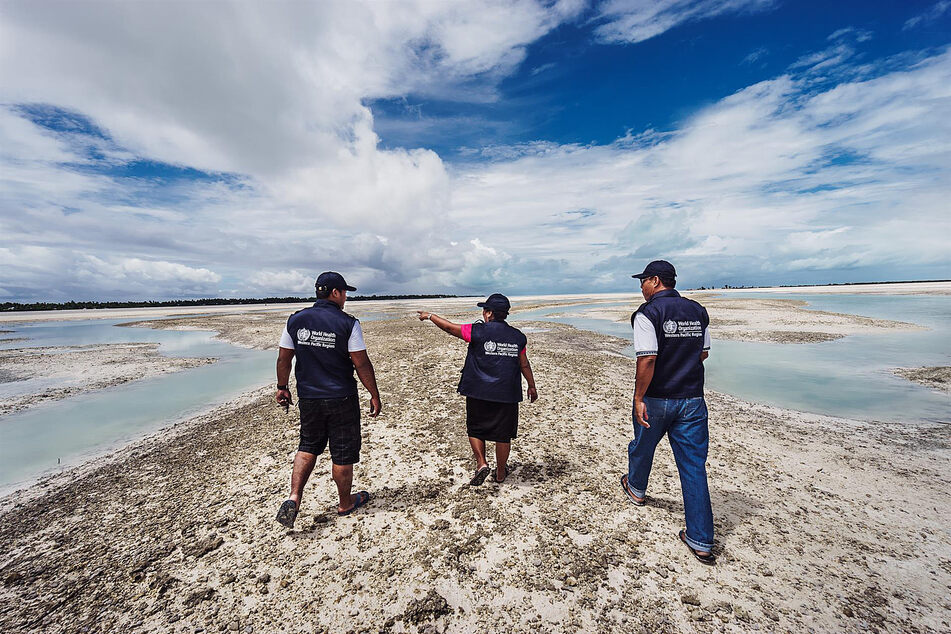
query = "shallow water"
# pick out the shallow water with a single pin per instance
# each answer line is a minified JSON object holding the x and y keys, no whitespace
{"x":849,"y":377}
{"x":69,"y":431}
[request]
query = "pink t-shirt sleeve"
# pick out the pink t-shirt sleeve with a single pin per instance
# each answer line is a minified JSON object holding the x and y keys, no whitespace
{"x":467,"y":332}
{"x":523,"y":350}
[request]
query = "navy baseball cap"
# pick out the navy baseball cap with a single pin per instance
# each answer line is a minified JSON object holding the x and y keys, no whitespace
{"x":496,"y":301}
{"x":330,"y":280}
{"x":660,"y":268}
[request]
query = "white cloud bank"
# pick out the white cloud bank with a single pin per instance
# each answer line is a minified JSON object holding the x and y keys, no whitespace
{"x":269,"y":99}
{"x":776,"y":179}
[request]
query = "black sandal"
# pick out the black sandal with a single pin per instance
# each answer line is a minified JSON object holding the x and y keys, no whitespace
{"x":287,"y":513}
{"x":495,"y":476}
{"x":708,"y":559}
{"x":479,"y":476}
{"x":630,"y":496}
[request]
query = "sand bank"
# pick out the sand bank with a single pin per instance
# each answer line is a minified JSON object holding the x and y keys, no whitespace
{"x":822,"y":524}
{"x":53,"y":373}
{"x":937,"y":378}
{"x":897,"y":288}
{"x":760,"y":319}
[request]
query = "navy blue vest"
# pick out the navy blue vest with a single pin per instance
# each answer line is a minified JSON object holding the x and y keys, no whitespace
{"x":320,"y":334}
{"x":492,"y":369}
{"x":679,"y":323}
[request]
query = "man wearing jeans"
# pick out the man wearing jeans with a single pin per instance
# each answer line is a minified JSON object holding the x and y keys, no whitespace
{"x":671,"y":339}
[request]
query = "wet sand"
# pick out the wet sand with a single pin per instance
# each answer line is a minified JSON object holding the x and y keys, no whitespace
{"x":822,"y":523}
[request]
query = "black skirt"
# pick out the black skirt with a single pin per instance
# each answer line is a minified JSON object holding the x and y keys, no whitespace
{"x":488,"y":420}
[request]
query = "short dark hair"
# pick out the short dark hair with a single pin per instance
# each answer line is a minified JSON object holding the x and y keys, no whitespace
{"x":499,"y":315}
{"x":324,"y":293}
{"x":668,"y":282}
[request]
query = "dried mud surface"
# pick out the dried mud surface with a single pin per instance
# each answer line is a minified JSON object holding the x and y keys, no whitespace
{"x":937,"y":378}
{"x":80,"y":369}
{"x":822,"y":524}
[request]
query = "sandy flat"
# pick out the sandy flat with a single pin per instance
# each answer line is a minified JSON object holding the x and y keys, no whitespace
{"x":823,"y":524}
{"x":899,"y":288}
{"x":762,"y":319}
{"x":53,"y":373}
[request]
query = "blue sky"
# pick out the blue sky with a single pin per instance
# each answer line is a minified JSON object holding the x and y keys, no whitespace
{"x":521,"y":146}
{"x":572,"y":88}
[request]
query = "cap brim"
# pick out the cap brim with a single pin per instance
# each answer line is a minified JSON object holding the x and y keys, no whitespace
{"x":482,"y":305}
{"x":350,"y":288}
{"x":641,"y":276}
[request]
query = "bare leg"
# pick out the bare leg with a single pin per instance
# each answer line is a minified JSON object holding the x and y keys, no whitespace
{"x":343,"y":478}
{"x":478,"y":450}
{"x":502,"y":450}
{"x":303,"y":466}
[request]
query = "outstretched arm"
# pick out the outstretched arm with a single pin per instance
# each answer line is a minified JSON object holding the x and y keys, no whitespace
{"x":444,"y":324}
{"x":364,"y":368}
{"x":526,"y":369}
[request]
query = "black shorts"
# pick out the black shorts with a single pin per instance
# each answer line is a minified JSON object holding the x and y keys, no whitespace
{"x":488,"y":420}
{"x":331,"y":419}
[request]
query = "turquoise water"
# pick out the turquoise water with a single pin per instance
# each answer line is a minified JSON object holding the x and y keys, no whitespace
{"x":69,"y":431}
{"x":848,"y":377}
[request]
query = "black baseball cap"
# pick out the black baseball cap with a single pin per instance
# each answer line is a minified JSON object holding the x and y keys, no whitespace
{"x":496,"y":301}
{"x":660,"y":268}
{"x":330,"y":280}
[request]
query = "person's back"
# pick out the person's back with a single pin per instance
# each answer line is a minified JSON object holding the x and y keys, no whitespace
{"x":492,"y":369}
{"x":679,"y":325}
{"x":321,"y":334}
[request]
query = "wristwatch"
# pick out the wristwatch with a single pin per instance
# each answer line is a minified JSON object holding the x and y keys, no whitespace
{"x":282,"y":387}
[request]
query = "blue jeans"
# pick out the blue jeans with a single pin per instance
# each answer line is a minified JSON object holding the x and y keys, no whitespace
{"x":684,"y":420}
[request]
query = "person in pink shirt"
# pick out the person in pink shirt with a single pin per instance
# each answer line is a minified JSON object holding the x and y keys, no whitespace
{"x":491,"y":381}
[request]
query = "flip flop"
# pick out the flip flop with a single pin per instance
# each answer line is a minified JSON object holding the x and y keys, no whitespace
{"x":704,"y":559}
{"x":495,"y":477}
{"x":479,"y":476}
{"x":287,"y":513}
{"x":362,"y":498}
{"x":630,"y":496}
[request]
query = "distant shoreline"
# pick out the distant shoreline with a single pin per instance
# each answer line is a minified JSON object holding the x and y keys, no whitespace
{"x":210,"y":301}
{"x":728,"y":287}
{"x":7,"y":307}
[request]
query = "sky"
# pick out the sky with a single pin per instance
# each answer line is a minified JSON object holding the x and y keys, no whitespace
{"x":162,"y":150}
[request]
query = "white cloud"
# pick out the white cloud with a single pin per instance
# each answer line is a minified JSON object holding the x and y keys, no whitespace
{"x":282,"y":282}
{"x":639,"y":20}
{"x":932,"y":14}
{"x":145,"y":271}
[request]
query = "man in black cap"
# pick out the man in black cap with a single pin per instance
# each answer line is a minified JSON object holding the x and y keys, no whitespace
{"x":491,"y":381}
{"x":671,"y":340}
{"x":328,"y":344}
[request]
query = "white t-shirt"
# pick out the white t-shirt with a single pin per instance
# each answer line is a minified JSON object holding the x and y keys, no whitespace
{"x":645,"y":337}
{"x":354,"y":344}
